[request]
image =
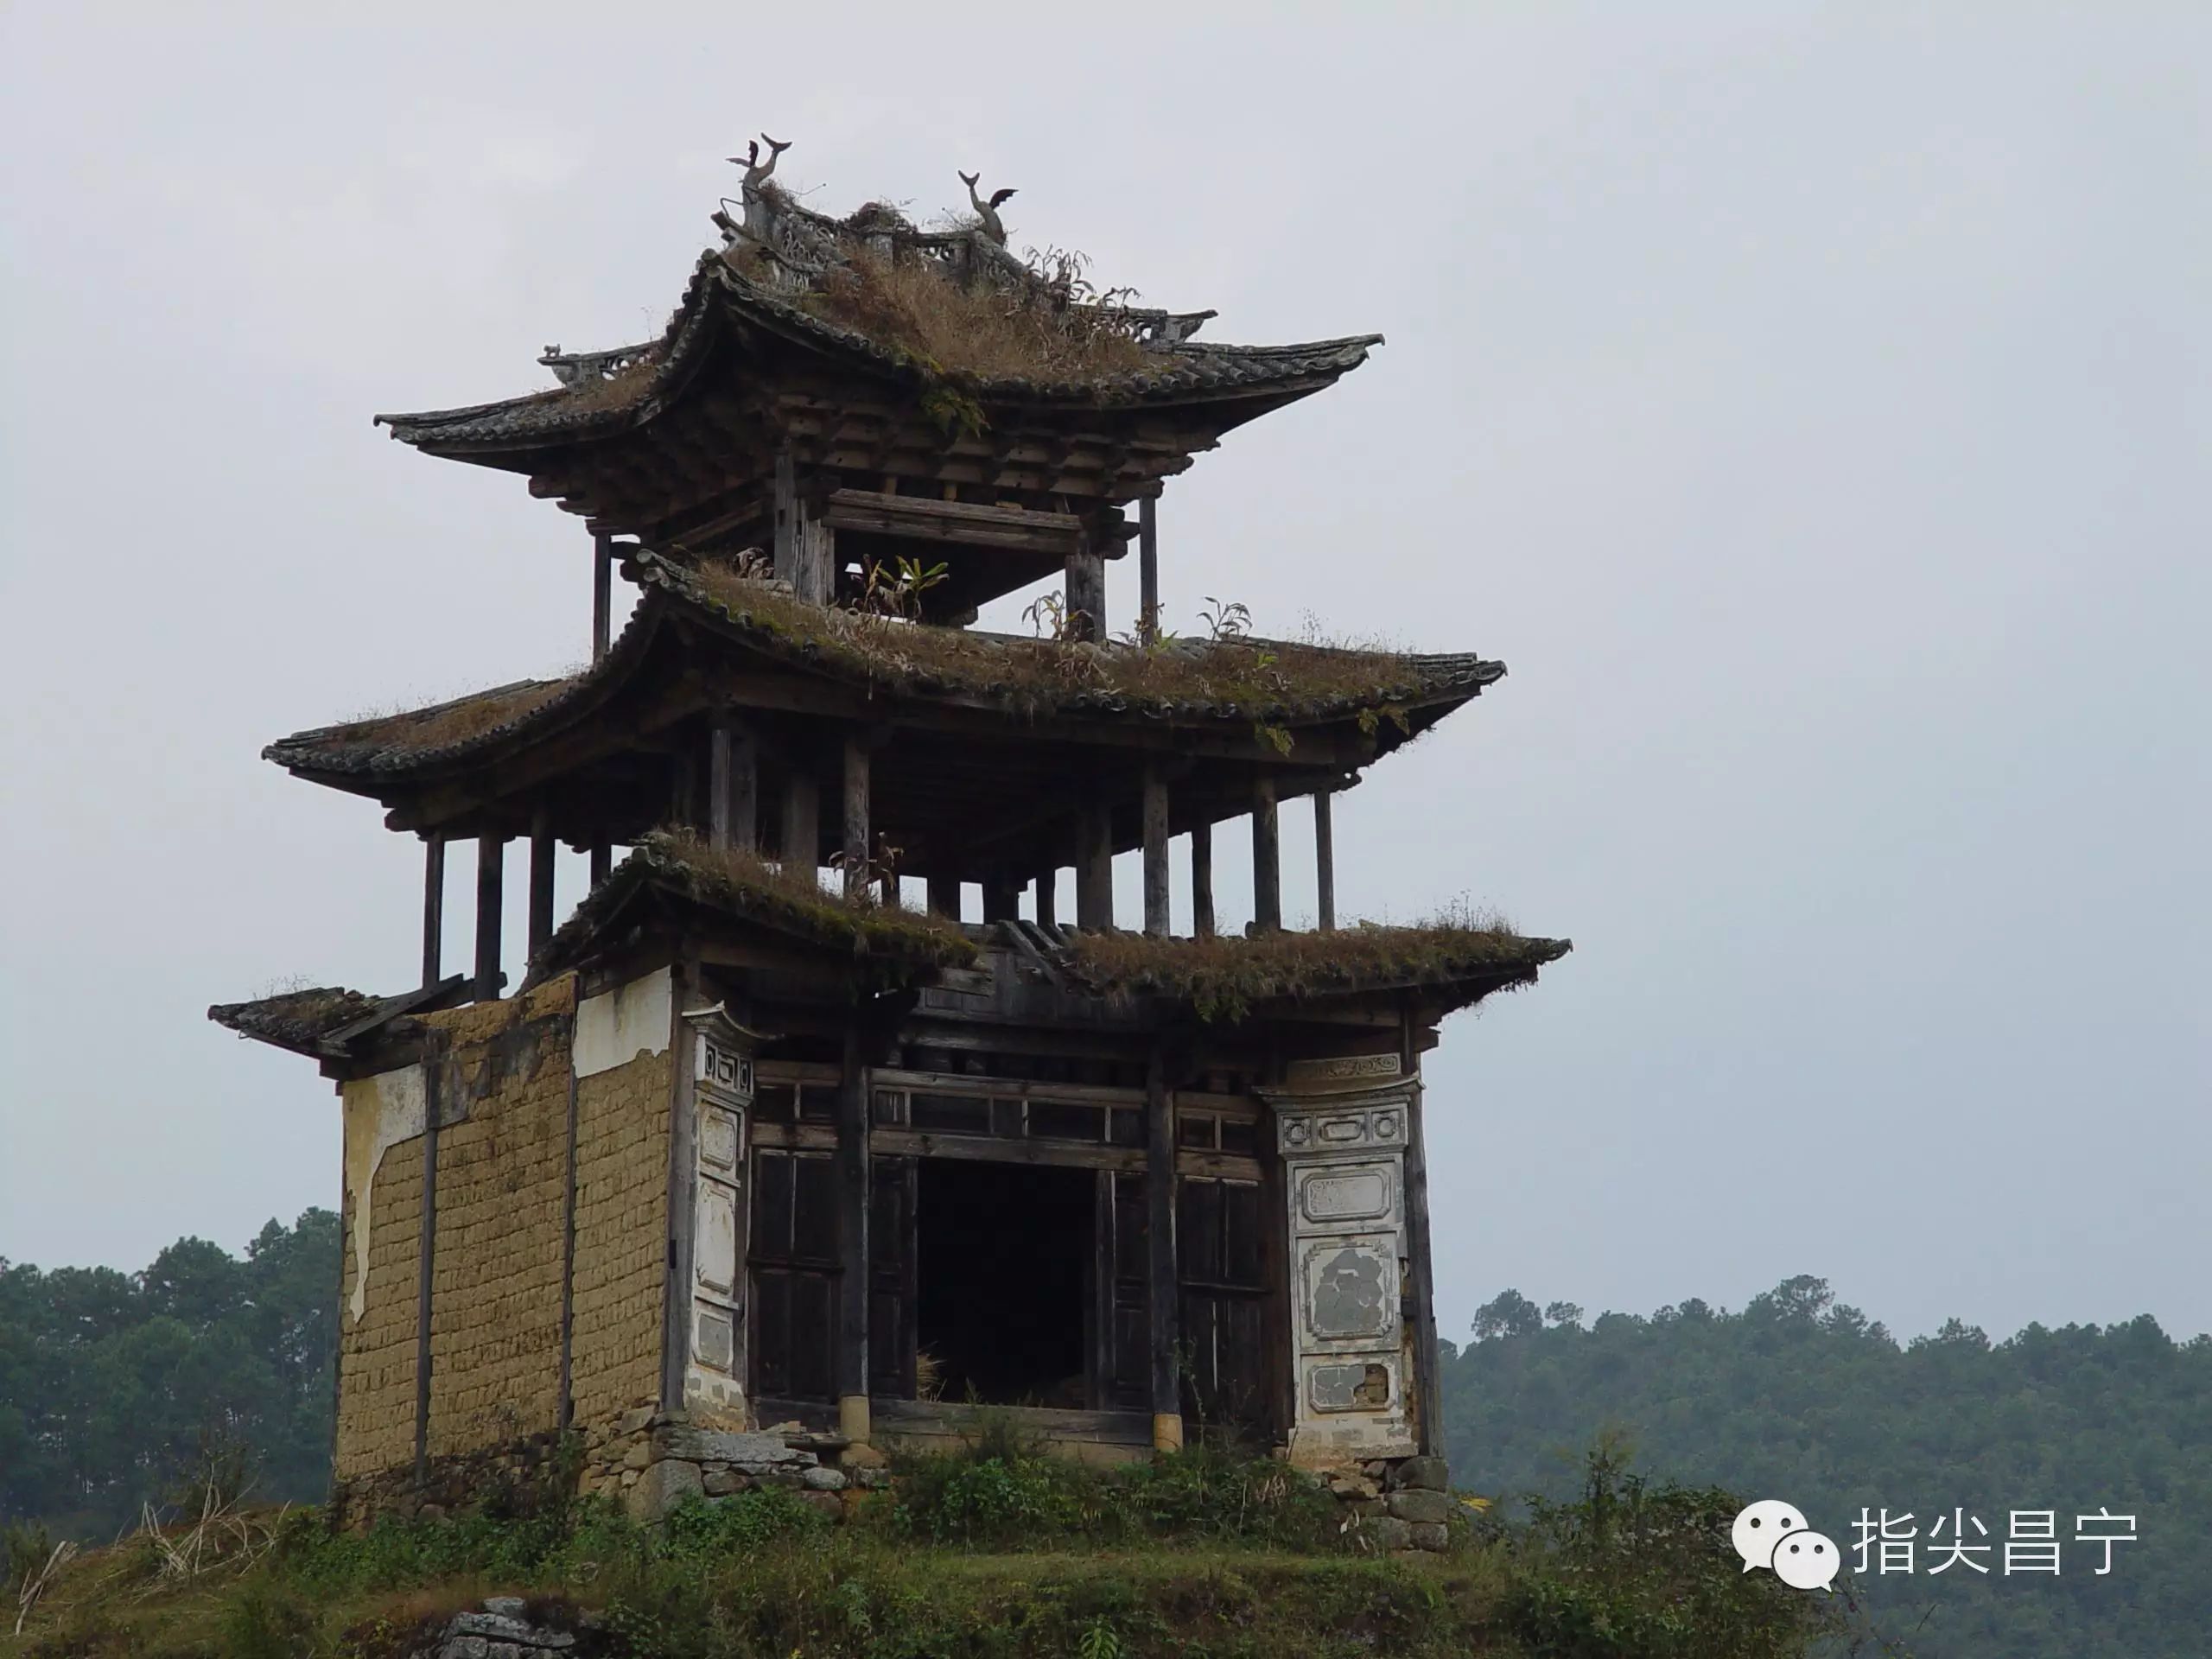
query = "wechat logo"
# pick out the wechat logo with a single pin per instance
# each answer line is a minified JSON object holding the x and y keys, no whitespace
{"x":1773,"y":1535}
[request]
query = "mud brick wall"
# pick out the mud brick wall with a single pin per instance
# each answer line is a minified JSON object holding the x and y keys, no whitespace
{"x":621,"y":1236}
{"x":501,"y":1217}
{"x":376,"y":1353}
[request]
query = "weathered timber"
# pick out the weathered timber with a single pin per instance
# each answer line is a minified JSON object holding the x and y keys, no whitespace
{"x":602,"y":596}
{"x":490,"y":853}
{"x":1325,"y":860}
{"x":434,"y":908}
{"x":1428,"y":1369}
{"x":1086,"y":595}
{"x":1267,"y":858}
{"x":852,"y":1231}
{"x":1159,"y":1233}
{"x":916,"y":518}
{"x":1094,"y":870}
{"x":426,"y":1251}
{"x":1001,"y":898}
{"x":801,"y":838}
{"x":1202,"y":922}
{"x":944,"y":896}
{"x":602,"y":861}
{"x":542,"y":850}
{"x":1047,"y":899}
{"x":744,"y":790}
{"x":1155,"y":850}
{"x":806,"y":547}
{"x":855,"y":815}
{"x":1147,"y":570}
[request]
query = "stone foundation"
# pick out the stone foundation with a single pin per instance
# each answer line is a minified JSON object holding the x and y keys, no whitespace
{"x":1395,"y":1503}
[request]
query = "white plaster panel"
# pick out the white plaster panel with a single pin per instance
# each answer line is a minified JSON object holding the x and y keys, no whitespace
{"x":381,"y":1112}
{"x":616,"y":1026}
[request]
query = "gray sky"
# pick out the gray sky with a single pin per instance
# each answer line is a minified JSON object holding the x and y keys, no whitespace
{"x":1810,"y":404}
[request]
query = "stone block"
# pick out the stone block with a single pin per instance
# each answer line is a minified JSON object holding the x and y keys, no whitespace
{"x":504,"y":1607}
{"x":721,"y":1482}
{"x":635,"y":1420}
{"x":464,"y":1647}
{"x":752,"y":1453}
{"x":662,"y":1487}
{"x":860,"y":1455}
{"x":1353,"y":1488}
{"x":1385,"y":1534}
{"x":827,"y":1504}
{"x":1427,"y":1474}
{"x":823,"y":1480}
{"x":1432,"y":1536}
{"x":1430,"y":1509}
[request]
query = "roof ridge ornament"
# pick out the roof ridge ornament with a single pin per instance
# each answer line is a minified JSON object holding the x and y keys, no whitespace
{"x":988,"y":212}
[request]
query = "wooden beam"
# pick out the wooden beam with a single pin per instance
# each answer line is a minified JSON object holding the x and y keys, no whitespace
{"x":434,"y":908}
{"x":1155,"y":850}
{"x":1325,"y":859}
{"x":1202,"y":879}
{"x":542,"y":848}
{"x":602,"y":862}
{"x":1047,"y":905}
{"x":1094,"y":869}
{"x":918,"y":518}
{"x":855,"y":818}
{"x":1267,"y":858}
{"x":1160,"y":1236}
{"x":1147,"y":571}
{"x":602,"y":596}
{"x":1086,"y":595}
{"x":718,"y":783}
{"x":491,"y":850}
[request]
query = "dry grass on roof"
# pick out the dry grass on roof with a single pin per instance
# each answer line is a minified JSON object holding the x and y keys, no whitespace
{"x":444,"y":724}
{"x":1223,"y":977}
{"x":914,"y":306}
{"x":1255,"y":678}
{"x":745,"y":881}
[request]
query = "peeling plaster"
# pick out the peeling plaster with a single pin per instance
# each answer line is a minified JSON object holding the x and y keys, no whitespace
{"x":381,"y":1112}
{"x":616,"y":1028}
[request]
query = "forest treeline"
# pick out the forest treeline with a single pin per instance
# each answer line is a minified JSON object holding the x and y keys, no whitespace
{"x":1799,"y":1397}
{"x":116,"y":1390}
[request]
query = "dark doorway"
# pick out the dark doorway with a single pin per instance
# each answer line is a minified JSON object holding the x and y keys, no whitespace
{"x":1002,"y":1270}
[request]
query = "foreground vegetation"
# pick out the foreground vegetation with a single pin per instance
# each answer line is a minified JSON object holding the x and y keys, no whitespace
{"x":995,"y":1552}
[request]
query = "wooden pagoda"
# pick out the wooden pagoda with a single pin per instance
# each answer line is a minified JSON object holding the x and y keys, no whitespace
{"x":757,"y":1163}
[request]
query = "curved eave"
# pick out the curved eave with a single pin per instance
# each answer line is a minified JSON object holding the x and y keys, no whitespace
{"x":720,"y":304}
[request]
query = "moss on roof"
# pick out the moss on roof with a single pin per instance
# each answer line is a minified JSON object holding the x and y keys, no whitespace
{"x":297,"y":1020}
{"x":1223,"y":977}
{"x":743,"y":884}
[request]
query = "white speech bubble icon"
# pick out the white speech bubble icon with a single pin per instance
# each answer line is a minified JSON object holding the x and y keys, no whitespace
{"x":1806,"y":1561}
{"x":1761,"y":1525}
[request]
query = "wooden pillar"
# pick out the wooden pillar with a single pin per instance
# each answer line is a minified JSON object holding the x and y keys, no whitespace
{"x":733,"y":787}
{"x":602,"y":861}
{"x":491,"y":850}
{"x":1147,"y":571}
{"x":1086,"y":594}
{"x":434,"y":908}
{"x":542,"y":848}
{"x":1202,"y":879}
{"x":852,"y":1238}
{"x":1155,"y":850}
{"x":602,"y":593}
{"x":1001,"y":898}
{"x":801,"y":844}
{"x":1325,"y":860}
{"x":1048,"y":898}
{"x":944,"y":896}
{"x":1267,"y":859}
{"x":1094,"y":869}
{"x":856,"y":842}
{"x":1160,"y":1277}
{"x":1428,"y":1373}
{"x":805,"y":548}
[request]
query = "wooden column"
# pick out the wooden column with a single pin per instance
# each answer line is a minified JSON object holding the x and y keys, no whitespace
{"x":1001,"y":898}
{"x":806,"y":553}
{"x":542,"y":849}
{"x":1428,"y":1373}
{"x":1086,"y":595}
{"x":1147,"y":571}
{"x":944,"y":896}
{"x":855,"y":820}
{"x":491,"y":850}
{"x":852,"y":1238}
{"x":1159,"y":1235}
{"x":1048,"y":898}
{"x":733,"y":787}
{"x":602,"y":593}
{"x":1267,"y":859}
{"x":1202,"y":879}
{"x":1155,"y":850}
{"x":434,"y":908}
{"x":802,"y":823}
{"x":1325,"y":860}
{"x":1094,"y":869}
{"x":602,"y":861}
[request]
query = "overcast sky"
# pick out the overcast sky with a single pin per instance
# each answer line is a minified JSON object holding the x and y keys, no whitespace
{"x":1808,"y":403}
